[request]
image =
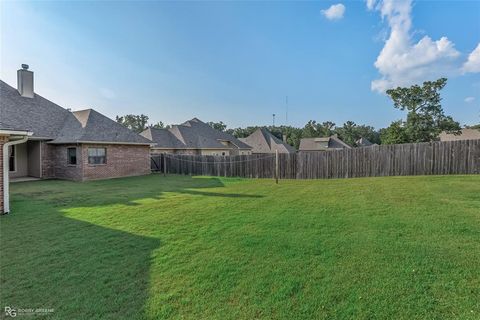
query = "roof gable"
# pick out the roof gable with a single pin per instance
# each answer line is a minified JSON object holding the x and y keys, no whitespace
{"x":263,"y":141}
{"x":92,"y":126}
{"x":50,"y":121}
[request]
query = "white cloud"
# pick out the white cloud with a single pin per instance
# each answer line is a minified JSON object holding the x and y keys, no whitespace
{"x":469,"y":99}
{"x":335,"y":12}
{"x":473,"y":62}
{"x":107,"y":93}
{"x":370,"y":4}
{"x":402,"y":61}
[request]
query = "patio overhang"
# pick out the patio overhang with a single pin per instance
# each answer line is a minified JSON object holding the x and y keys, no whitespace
{"x":14,"y":137}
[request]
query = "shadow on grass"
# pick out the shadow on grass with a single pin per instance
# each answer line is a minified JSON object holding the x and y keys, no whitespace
{"x":81,"y":270}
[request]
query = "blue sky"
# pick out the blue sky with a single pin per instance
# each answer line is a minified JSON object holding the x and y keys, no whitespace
{"x":236,"y":61}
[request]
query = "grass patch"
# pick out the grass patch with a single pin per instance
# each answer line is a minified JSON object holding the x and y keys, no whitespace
{"x":181,"y":247}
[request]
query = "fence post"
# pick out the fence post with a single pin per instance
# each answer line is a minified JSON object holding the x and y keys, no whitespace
{"x":276,"y":166}
{"x":164,"y":156}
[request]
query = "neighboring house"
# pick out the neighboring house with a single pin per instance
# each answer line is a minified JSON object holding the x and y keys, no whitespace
{"x":322,"y":144}
{"x":364,"y":142}
{"x":467,"y":134}
{"x":263,"y":141}
{"x":43,"y":140}
{"x":195,"y":137}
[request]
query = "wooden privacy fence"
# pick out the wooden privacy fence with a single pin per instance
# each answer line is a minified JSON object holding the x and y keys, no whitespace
{"x":431,"y":158}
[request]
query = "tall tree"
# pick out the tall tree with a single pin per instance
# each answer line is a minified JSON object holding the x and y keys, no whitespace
{"x":313,"y":129}
{"x":394,"y":134}
{"x":137,"y":123}
{"x":425,"y":116}
{"x":348,"y":133}
{"x":220,"y":126}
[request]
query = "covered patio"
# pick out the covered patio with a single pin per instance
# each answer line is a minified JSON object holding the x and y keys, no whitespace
{"x":24,"y":160}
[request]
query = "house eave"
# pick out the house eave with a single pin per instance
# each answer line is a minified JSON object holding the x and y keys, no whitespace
{"x":101,"y":142}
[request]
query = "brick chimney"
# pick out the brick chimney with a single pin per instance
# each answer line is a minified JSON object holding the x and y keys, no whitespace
{"x":25,"y":81}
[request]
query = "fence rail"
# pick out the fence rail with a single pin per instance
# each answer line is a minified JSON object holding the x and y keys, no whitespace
{"x":432,"y":158}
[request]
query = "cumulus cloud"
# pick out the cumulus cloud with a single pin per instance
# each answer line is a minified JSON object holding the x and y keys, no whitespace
{"x":469,"y":99}
{"x":402,"y":61}
{"x":473,"y":62}
{"x":335,"y":12}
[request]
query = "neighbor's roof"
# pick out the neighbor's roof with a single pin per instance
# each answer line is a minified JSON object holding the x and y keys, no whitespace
{"x":467,"y":134}
{"x":364,"y":142}
{"x":312,"y":144}
{"x":263,"y":141}
{"x":193,"y":134}
{"x":50,"y":121}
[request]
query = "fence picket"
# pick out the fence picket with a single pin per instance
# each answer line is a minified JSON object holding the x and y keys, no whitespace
{"x":452,"y":157}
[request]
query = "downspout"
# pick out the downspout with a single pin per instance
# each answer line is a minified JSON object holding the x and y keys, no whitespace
{"x":6,"y":177}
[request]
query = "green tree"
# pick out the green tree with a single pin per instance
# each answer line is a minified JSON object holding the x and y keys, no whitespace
{"x":242,"y":132}
{"x":425,"y":116}
{"x":137,"y":123}
{"x":312,"y":129}
{"x":394,"y":134}
{"x":351,"y":132}
{"x":293,"y":135}
{"x":348,"y":133}
{"x":158,"y":125}
{"x":220,"y":126}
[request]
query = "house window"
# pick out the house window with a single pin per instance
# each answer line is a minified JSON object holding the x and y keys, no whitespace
{"x":97,"y":156}
{"x":11,"y":159}
{"x":72,"y":156}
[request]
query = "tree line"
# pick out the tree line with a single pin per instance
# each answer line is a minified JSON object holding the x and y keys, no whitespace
{"x":424,"y":121}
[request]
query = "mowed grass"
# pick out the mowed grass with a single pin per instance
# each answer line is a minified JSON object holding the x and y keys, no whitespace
{"x":211,"y":248}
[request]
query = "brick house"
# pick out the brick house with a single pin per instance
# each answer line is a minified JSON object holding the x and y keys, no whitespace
{"x":195,"y":137}
{"x":40,"y":139}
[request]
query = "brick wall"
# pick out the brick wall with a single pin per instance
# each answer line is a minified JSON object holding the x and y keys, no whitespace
{"x":3,"y":140}
{"x":48,"y":160}
{"x":122,"y":161}
{"x":63,"y":170}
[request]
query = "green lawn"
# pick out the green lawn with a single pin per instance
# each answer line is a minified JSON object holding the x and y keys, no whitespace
{"x":212,"y":248}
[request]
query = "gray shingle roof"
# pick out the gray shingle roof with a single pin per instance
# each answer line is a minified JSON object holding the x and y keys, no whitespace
{"x":38,"y":115}
{"x":364,"y":142}
{"x":193,"y":134}
{"x":263,"y":141}
{"x":467,"y":134}
{"x":315,"y":144}
{"x":50,"y":121}
{"x":91,"y":126}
